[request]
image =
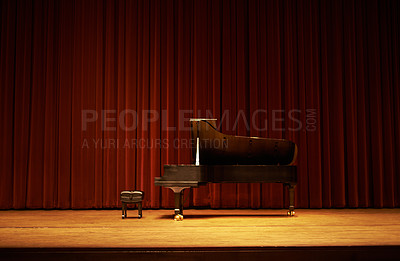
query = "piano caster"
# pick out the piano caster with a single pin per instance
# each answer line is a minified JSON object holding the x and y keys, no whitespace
{"x":140,"y":216}
{"x":290,"y":213}
{"x":123,"y":216}
{"x":178,"y":217}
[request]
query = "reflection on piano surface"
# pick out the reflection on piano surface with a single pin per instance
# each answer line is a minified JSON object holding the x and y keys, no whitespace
{"x":225,"y":158}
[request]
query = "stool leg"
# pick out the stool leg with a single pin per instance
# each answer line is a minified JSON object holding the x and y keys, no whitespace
{"x":123,"y":210}
{"x":140,"y":209}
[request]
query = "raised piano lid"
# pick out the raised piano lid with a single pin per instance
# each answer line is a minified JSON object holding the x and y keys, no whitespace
{"x":216,"y":148}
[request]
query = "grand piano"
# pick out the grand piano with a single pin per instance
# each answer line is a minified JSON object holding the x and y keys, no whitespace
{"x":221,"y":158}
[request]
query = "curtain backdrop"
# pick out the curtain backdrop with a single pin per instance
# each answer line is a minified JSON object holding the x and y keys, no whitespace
{"x":80,"y":78}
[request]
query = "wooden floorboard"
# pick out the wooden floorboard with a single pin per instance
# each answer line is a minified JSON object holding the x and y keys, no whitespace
{"x":200,"y":228}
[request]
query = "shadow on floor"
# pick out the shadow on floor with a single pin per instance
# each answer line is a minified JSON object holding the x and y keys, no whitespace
{"x":189,"y":216}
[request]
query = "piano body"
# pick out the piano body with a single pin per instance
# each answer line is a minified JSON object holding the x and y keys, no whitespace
{"x":221,"y":158}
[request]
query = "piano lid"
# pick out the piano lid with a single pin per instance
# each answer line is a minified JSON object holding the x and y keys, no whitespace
{"x":216,"y":148}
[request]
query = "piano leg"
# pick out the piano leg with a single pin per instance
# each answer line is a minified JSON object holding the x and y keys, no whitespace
{"x":178,"y":202}
{"x":181,"y":203}
{"x":291,"y":199}
{"x":178,"y":206}
{"x":178,"y":195}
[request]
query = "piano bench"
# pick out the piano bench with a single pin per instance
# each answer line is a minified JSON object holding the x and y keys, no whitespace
{"x":131,"y":197}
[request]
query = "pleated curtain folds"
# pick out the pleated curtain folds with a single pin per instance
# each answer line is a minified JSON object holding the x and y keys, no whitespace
{"x":324,"y":74}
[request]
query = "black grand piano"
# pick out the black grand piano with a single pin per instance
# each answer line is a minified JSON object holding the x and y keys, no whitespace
{"x":221,"y":158}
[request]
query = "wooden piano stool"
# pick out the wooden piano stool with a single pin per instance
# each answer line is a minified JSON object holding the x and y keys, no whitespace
{"x":131,"y":197}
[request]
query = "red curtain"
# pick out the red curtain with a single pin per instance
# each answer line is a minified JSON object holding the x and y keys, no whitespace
{"x":324,"y":74}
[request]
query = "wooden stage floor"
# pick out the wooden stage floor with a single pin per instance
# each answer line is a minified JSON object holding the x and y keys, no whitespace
{"x":202,"y":229}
